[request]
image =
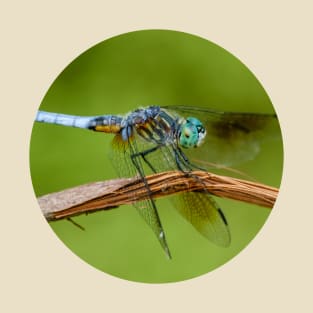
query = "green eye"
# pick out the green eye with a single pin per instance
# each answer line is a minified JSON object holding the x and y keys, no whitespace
{"x":192,"y":133}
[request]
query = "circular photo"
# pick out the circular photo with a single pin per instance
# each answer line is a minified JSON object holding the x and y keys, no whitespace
{"x":156,"y":156}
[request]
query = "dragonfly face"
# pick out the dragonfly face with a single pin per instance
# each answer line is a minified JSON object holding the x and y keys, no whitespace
{"x":192,"y":133}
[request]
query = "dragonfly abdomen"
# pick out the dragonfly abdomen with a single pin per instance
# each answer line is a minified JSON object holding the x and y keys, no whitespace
{"x":107,"y":124}
{"x":63,"y":119}
{"x":103,"y":123}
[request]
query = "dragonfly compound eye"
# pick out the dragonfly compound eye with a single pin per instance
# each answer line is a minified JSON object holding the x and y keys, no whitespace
{"x":191,"y":133}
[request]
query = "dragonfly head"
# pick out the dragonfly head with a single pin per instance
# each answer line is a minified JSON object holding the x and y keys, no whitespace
{"x":191,"y":133}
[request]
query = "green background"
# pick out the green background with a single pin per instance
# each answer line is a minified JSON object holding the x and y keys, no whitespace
{"x":114,"y":77}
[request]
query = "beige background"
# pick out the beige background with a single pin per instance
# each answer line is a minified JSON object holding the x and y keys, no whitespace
{"x":40,"y":38}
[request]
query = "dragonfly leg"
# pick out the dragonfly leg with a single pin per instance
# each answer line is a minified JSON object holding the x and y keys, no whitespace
{"x":143,"y":154}
{"x":186,"y":161}
{"x":182,"y":161}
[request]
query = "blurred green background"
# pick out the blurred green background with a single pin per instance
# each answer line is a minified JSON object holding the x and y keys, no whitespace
{"x":114,"y":77}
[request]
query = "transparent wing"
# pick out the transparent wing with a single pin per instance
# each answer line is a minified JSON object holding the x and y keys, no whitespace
{"x":121,"y":155}
{"x":232,"y":138}
{"x":200,"y":209}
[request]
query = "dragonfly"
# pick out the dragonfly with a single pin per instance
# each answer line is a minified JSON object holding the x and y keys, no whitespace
{"x":162,"y":138}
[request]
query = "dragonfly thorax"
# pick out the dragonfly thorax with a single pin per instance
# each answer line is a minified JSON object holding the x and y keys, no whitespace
{"x":191,"y":133}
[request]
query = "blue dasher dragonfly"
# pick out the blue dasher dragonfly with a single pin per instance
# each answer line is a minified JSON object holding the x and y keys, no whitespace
{"x":156,"y":139}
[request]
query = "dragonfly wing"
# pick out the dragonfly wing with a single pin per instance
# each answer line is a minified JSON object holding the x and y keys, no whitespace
{"x":121,"y":155}
{"x":232,"y":138}
{"x":148,"y":212}
{"x":200,"y":209}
